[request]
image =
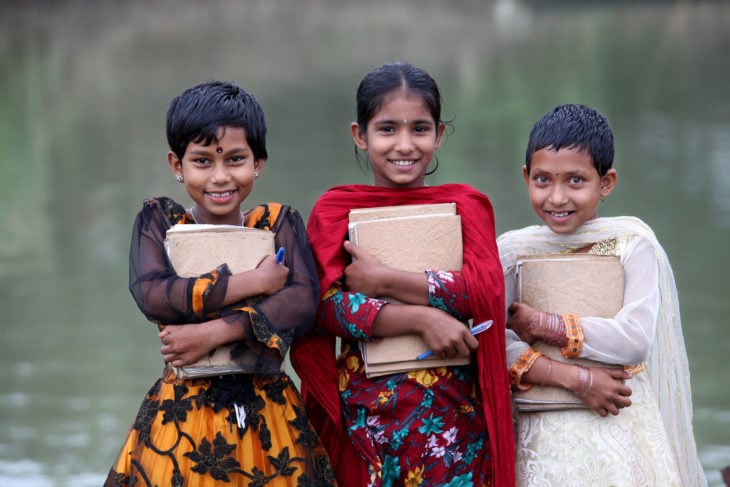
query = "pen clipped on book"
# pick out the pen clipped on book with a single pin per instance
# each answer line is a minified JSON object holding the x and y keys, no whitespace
{"x":475,"y":330}
{"x":280,"y":255}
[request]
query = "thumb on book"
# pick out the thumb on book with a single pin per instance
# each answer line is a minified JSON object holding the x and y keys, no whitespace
{"x":351,"y":248}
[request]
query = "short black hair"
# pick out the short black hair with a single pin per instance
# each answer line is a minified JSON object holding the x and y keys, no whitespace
{"x":573,"y":126}
{"x":199,"y":112}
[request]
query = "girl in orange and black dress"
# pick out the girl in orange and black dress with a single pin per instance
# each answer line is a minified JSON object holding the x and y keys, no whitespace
{"x":240,"y":429}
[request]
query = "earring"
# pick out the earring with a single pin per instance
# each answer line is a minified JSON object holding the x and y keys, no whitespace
{"x":180,"y":178}
{"x":256,"y":174}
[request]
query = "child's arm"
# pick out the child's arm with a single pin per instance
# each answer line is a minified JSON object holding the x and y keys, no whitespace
{"x":165,"y":297}
{"x":624,"y":339}
{"x":159,"y":292}
{"x":367,"y":275}
{"x":445,"y":290}
{"x":602,"y":389}
{"x":628,"y":337}
{"x":186,"y":344}
{"x":271,"y":323}
{"x":531,"y":326}
{"x":289,"y":311}
{"x":444,"y":334}
{"x":268,"y":278}
{"x":354,"y":316}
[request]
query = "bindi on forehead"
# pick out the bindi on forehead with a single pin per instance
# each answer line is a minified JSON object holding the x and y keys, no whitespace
{"x":219,"y":149}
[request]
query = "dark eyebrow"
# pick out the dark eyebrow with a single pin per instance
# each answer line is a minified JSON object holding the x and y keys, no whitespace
{"x":419,"y":121}
{"x":199,"y":152}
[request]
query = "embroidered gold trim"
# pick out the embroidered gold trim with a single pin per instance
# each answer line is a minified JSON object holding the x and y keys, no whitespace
{"x":574,"y":332}
{"x":522,"y":365}
{"x":604,"y":247}
{"x":634,"y":369}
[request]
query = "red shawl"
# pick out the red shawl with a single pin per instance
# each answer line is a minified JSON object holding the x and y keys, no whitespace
{"x":313,"y":356}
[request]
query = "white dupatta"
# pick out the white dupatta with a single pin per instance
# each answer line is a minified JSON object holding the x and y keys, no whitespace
{"x":667,"y":364}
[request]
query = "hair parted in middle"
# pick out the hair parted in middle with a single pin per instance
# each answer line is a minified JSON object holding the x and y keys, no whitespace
{"x":379,"y":83}
{"x":384,"y":81}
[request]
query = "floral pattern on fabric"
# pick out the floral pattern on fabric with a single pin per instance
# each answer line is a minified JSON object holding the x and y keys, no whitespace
{"x":355,"y":313}
{"x":425,"y":425}
{"x":447,"y":292}
{"x":241,"y":429}
{"x":165,"y":438}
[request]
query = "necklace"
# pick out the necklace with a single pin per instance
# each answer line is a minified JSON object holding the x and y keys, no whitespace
{"x":193,"y":213}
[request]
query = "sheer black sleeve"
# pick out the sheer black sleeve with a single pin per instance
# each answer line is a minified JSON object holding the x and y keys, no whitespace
{"x":160,"y":294}
{"x":290,"y":312}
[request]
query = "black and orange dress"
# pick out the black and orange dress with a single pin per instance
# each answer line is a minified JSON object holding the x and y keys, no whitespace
{"x":242,"y":429}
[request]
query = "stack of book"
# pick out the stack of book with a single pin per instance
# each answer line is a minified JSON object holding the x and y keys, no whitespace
{"x":196,"y":249}
{"x":582,"y":284}
{"x":409,"y":238}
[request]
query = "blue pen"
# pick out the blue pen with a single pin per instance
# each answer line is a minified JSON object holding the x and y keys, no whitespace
{"x":474,"y":331}
{"x":280,"y":255}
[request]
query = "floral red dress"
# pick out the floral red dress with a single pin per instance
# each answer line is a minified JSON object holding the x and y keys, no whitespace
{"x":429,"y":427}
{"x":425,"y":425}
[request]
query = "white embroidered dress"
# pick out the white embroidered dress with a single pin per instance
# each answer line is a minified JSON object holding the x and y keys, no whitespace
{"x":651,"y":442}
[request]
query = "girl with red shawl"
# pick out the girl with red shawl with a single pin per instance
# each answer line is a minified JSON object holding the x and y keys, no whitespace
{"x":446,"y":426}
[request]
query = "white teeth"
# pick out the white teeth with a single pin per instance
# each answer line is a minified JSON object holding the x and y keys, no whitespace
{"x":221,"y":195}
{"x":403,"y":163}
{"x":559,"y":215}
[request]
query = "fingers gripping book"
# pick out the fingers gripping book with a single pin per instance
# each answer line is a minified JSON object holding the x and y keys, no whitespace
{"x":582,"y":284}
{"x":194,"y":249}
{"x":409,"y":238}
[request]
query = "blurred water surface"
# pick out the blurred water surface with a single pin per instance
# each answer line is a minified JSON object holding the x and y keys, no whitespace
{"x":84,"y":90}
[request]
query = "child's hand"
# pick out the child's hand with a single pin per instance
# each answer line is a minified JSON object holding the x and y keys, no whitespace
{"x":608,"y":392}
{"x":447,"y":336}
{"x":185,"y":344}
{"x":366,"y":273}
{"x":519,"y":322}
{"x":272,"y":275}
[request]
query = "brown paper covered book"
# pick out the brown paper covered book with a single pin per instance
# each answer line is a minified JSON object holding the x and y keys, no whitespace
{"x":410,"y":238}
{"x":582,"y":284}
{"x":196,"y":249}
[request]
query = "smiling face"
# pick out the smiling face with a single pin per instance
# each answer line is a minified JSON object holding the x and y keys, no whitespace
{"x":218,"y":176}
{"x":565,"y":188}
{"x":400,"y":139}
